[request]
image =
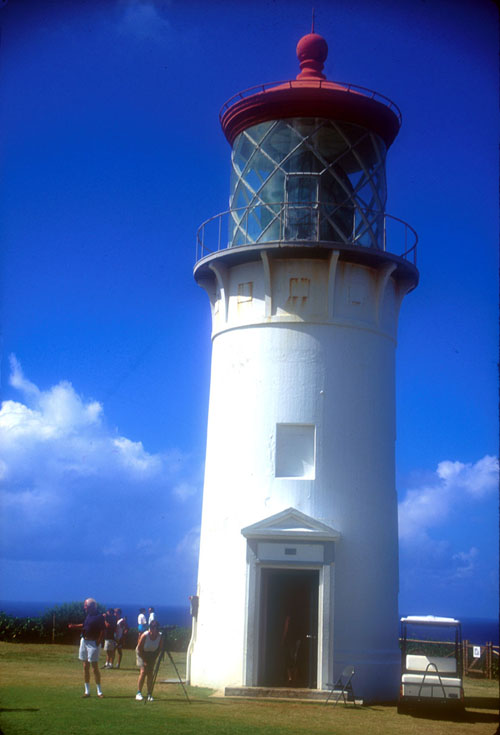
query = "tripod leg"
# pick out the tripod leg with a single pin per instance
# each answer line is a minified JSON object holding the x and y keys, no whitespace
{"x":178,"y":675}
{"x":155,"y":673}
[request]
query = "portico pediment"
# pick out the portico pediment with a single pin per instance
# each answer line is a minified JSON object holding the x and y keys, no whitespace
{"x":291,"y":524}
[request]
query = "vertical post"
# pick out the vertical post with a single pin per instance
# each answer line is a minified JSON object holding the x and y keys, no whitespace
{"x":218,"y":241}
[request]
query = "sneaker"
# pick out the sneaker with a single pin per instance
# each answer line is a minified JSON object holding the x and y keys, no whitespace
{"x":100,"y":694}
{"x":85,"y":695}
{"x":150,"y":698}
{"x":139,"y":697}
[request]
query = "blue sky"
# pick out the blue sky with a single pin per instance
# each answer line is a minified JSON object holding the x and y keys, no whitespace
{"x":112,"y":156}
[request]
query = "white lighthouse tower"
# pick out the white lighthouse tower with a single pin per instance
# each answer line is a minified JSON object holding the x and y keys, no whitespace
{"x":298,"y":569}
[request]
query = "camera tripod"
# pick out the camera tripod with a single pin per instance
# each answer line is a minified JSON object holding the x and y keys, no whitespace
{"x":158,"y":661}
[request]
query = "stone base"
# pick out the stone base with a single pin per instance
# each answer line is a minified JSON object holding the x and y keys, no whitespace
{"x":318,"y":695}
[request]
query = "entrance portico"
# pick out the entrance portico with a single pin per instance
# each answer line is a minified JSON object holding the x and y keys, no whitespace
{"x":289,"y":605}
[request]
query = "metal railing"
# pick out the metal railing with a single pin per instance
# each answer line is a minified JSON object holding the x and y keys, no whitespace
{"x":314,"y":222}
{"x":325,"y":83}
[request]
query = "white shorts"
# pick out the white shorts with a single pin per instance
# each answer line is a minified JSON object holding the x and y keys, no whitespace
{"x":89,"y":651}
{"x":109,"y":645}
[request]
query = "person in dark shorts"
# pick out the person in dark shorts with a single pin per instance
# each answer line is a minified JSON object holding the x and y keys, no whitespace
{"x":149,"y":647}
{"x":92,"y":635}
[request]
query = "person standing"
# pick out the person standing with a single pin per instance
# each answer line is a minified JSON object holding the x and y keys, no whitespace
{"x":142,"y":623}
{"x":110,"y":622}
{"x":92,"y":635}
{"x":149,"y":647}
{"x":152,"y":615}
{"x":120,"y":633}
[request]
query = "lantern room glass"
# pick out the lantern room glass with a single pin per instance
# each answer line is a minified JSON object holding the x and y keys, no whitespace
{"x":307,"y":179}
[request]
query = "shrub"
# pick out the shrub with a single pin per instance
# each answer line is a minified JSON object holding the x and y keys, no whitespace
{"x":24,"y":630}
{"x":177,"y":639}
{"x":55,"y":621}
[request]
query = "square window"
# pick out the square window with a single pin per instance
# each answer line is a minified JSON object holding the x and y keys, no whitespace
{"x":245,"y":292}
{"x":295,"y":451}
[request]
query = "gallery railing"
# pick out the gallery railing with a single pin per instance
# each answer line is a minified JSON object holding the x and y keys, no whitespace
{"x":314,"y":222}
{"x":321,"y":83}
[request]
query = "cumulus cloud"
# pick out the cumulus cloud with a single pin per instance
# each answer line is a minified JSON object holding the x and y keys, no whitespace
{"x":143,"y":19}
{"x":427,"y":516}
{"x":429,"y":506}
{"x":70,"y":483}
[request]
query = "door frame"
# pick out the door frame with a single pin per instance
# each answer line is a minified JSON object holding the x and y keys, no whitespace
{"x":268,"y":544}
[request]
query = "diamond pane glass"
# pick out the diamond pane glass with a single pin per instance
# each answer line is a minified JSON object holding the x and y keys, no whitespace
{"x":307,"y":179}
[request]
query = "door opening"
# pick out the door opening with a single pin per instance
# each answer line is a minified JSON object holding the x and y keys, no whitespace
{"x":288,"y":636}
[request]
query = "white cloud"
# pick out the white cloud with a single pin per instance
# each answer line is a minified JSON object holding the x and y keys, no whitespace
{"x":429,"y":506}
{"x":465,"y":562}
{"x":428,"y":519}
{"x":143,"y":19}
{"x":185,"y":490}
{"x":68,"y":480}
{"x":17,"y":379}
{"x":477,"y":479}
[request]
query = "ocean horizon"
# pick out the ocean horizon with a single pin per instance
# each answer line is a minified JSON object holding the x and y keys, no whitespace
{"x":476,"y":630}
{"x":167,"y":614}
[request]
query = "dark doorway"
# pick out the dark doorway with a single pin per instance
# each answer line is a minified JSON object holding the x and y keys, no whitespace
{"x":288,"y":628}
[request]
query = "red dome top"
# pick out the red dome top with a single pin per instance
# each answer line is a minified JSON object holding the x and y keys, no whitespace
{"x":312,"y":51}
{"x":311,"y":95}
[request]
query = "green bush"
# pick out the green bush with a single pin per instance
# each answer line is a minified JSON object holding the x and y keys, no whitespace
{"x":55,"y":621}
{"x":53,"y":626}
{"x":177,"y":639}
{"x":24,"y":630}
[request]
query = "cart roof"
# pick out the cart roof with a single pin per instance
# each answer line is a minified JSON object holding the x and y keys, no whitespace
{"x":429,"y":620}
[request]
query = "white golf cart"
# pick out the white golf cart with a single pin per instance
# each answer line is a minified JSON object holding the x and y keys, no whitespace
{"x":431,"y":662}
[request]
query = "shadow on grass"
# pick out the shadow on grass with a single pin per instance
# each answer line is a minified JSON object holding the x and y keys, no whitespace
{"x":163,"y":700}
{"x":482,"y":702}
{"x":448,"y":716}
{"x":19,"y":709}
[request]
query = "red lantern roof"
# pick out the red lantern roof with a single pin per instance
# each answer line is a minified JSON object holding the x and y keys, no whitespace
{"x":311,"y":95}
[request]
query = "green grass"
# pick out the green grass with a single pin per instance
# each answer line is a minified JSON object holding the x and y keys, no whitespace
{"x":41,"y":687}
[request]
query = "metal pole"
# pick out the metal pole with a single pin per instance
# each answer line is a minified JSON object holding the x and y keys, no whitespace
{"x":155,"y":673}
{"x":178,"y":675}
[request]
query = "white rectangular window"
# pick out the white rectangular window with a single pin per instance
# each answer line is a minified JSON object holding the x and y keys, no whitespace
{"x":295,"y":451}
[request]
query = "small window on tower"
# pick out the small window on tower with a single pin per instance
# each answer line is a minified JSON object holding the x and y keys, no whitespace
{"x":245,"y":292}
{"x":295,"y":451}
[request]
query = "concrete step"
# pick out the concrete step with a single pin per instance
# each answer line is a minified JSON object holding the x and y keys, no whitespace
{"x":281,"y":693}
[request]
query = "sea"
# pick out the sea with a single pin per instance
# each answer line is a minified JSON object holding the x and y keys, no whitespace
{"x":166,"y":614}
{"x":477,"y":631}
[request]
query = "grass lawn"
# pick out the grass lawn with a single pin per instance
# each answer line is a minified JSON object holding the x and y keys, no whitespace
{"x":41,"y":687}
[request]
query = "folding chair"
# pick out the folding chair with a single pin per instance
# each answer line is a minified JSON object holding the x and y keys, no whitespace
{"x":343,"y":687}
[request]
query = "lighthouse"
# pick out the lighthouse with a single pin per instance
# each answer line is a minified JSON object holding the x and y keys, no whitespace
{"x":305,"y":273}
